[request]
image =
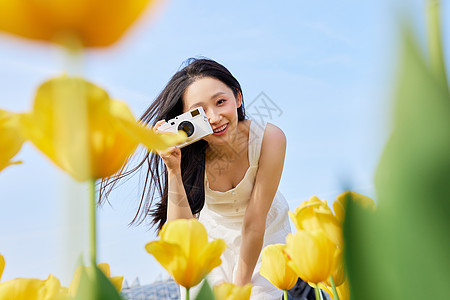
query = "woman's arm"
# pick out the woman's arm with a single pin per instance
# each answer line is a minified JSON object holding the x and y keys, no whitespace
{"x":271,"y":162}
{"x":177,"y":202}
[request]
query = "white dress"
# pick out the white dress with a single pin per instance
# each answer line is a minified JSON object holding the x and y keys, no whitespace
{"x":223,"y":214}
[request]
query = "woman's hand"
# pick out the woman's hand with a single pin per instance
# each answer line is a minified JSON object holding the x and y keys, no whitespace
{"x":172,"y":156}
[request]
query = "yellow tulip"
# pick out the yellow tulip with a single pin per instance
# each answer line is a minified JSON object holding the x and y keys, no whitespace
{"x":343,"y":290}
{"x":229,"y":291}
{"x":341,"y":200}
{"x":32,"y":289}
{"x":338,"y":272}
{"x":315,"y":214}
{"x":84,"y":132}
{"x":275,"y":267}
{"x":184,"y":251}
{"x":104,"y":267}
{"x":2,"y":265}
{"x":96,"y":23}
{"x":11,"y":137}
{"x":311,"y":255}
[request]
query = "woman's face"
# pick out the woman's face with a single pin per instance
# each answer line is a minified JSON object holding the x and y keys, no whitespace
{"x":219,"y":104}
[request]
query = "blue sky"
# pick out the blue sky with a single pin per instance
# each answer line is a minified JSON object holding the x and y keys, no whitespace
{"x":329,"y":66}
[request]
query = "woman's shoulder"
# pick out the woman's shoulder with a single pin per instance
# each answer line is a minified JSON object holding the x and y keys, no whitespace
{"x":273,"y":135}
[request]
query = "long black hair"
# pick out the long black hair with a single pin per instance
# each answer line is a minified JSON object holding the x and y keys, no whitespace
{"x":166,"y":106}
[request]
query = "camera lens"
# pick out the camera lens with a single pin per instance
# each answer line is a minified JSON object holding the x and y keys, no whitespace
{"x":187,"y":127}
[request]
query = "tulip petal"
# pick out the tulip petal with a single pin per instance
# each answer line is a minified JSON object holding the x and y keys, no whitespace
{"x":31,"y":289}
{"x":151,"y":139}
{"x":2,"y":265}
{"x":172,"y":258}
{"x":275,"y":268}
{"x":183,"y":250}
{"x":209,"y":259}
{"x":229,"y":291}
{"x":83,"y":131}
{"x":117,"y":281}
{"x":96,"y":23}
{"x":189,"y":234}
{"x":11,"y":137}
{"x":311,"y":255}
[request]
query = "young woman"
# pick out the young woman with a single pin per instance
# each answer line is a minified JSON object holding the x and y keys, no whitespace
{"x":228,"y":180}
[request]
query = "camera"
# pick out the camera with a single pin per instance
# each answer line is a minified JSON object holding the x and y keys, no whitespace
{"x":194,"y":122}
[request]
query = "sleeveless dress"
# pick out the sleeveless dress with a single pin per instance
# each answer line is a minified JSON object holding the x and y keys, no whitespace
{"x":223,"y":215}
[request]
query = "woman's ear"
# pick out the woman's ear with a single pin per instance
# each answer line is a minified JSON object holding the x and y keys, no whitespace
{"x":239,"y":99}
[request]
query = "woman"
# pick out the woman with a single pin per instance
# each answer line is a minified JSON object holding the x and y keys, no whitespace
{"x":228,"y":180}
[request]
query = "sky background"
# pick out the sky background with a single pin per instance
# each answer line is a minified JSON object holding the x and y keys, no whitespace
{"x":328,"y":67}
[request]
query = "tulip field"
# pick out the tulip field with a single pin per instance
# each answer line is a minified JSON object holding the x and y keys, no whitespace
{"x":395,"y":246}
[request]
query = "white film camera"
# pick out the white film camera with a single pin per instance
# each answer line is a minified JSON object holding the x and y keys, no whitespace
{"x":194,"y":123}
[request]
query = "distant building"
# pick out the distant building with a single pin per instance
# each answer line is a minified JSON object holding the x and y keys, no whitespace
{"x":159,"y":290}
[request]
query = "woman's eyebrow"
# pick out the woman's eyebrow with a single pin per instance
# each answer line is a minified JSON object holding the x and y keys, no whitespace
{"x":217,"y":94}
{"x":212,"y":97}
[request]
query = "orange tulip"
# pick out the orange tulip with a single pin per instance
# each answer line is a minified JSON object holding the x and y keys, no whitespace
{"x":96,"y":23}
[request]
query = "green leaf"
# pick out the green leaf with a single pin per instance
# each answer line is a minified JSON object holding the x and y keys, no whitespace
{"x":402,"y":250}
{"x":205,"y":293}
{"x":94,"y":285}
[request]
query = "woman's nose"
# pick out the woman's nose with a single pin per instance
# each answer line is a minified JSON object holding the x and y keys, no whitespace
{"x":214,"y":118}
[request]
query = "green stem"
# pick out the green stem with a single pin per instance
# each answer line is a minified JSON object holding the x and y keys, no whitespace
{"x":333,"y":287}
{"x":437,"y":61}
{"x":285,"y":295}
{"x":317,"y":291}
{"x":187,"y":294}
{"x":93,"y":223}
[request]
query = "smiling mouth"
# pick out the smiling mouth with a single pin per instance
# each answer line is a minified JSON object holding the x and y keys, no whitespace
{"x":221,"y":129}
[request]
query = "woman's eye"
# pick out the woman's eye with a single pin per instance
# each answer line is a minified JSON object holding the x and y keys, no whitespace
{"x":221,"y":101}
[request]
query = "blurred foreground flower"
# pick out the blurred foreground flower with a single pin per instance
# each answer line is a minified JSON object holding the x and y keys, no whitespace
{"x":11,"y":138}
{"x":104,"y":267}
{"x":95,"y":23}
{"x":315,"y":214}
{"x":2,"y":265}
{"x":184,"y":251}
{"x":83,"y":131}
{"x":341,"y":202}
{"x":229,"y":291}
{"x":312,"y":255}
{"x":275,"y":267}
{"x":30,"y":288}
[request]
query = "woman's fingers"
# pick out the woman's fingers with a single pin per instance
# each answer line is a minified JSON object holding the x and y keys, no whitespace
{"x":158,"y":124}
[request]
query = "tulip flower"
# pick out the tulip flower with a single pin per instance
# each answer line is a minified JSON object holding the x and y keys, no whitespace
{"x":315,"y":214}
{"x":95,"y":23}
{"x":275,"y":267}
{"x":229,"y":291}
{"x":338,"y":273}
{"x":184,"y":251}
{"x":311,"y":255}
{"x":341,"y":200}
{"x":32,"y":289}
{"x":84,"y":132}
{"x":104,"y":267}
{"x":11,"y":138}
{"x":343,"y":290}
{"x":2,"y":265}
